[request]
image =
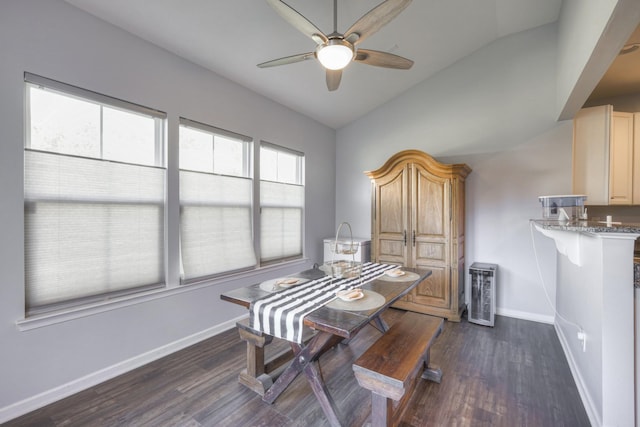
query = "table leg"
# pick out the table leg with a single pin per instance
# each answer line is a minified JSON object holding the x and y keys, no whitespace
{"x":255,"y":376}
{"x":380,"y":324}
{"x":303,"y":362}
{"x":261,"y":372}
{"x":322,"y":394}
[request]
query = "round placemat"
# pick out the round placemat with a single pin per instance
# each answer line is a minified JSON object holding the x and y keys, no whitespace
{"x":407,"y":276}
{"x":369,"y":301}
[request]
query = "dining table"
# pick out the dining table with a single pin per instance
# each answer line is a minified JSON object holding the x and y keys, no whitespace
{"x":324,"y":323}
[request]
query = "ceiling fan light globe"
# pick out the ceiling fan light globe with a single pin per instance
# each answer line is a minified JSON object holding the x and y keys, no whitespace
{"x":335,"y":55}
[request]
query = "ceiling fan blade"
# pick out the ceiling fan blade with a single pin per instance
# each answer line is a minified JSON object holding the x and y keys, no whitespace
{"x":333,"y":79}
{"x":287,"y":60}
{"x":383,"y":59}
{"x":375,"y":19}
{"x":298,"y":21}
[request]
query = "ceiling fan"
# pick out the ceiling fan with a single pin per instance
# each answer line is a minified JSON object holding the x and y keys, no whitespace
{"x":335,"y":51}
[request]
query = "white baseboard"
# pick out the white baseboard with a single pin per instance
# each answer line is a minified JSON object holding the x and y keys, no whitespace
{"x":525,"y":315}
{"x":65,"y":390}
{"x":589,"y":406}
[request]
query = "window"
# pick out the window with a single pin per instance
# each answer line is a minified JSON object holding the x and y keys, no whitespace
{"x":281,"y":203}
{"x":94,"y":196}
{"x":95,"y":200}
{"x":216,"y":189}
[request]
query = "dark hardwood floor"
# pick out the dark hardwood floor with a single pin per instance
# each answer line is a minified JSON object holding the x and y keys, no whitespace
{"x":514,"y":374}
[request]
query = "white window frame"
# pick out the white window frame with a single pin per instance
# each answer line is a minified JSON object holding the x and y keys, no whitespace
{"x":166,"y":156}
{"x":69,"y":91}
{"x":204,"y":200}
{"x":300,"y":183}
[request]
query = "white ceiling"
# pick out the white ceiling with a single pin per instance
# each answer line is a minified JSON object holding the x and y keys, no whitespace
{"x":229,"y":37}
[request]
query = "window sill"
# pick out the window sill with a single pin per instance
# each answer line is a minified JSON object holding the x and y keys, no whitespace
{"x":60,"y":316}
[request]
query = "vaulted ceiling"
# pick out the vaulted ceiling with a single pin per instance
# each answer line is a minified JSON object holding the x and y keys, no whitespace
{"x":229,"y":37}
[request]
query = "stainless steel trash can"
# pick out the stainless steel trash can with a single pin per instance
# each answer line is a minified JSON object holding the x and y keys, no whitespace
{"x":483,"y":293}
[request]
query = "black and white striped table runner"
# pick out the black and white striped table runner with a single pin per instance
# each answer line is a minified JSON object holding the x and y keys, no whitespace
{"x":281,"y":314}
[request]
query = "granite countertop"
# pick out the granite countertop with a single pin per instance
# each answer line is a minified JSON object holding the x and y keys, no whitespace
{"x":588,"y":226}
{"x":593,"y":227}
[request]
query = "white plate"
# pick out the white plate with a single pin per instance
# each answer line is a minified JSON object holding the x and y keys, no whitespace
{"x":394,"y":273}
{"x":344,"y":295}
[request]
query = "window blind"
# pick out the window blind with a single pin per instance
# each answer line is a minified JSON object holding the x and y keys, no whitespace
{"x":92,"y":227}
{"x":216,"y":201}
{"x":215,"y":224}
{"x":282,"y":207}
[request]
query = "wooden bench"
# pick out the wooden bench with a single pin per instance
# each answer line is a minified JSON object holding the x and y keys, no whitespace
{"x":391,"y":366}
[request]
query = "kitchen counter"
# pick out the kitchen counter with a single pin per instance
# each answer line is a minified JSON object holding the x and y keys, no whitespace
{"x":588,"y":226}
{"x":594,"y":297}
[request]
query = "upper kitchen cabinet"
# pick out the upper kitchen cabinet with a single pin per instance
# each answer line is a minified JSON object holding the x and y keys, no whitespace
{"x":603,"y":156}
{"x":418,"y":221}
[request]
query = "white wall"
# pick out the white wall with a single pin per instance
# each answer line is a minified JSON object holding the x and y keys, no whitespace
{"x":55,"y":40}
{"x":494,"y":111}
{"x":502,"y":196}
{"x":596,"y":297}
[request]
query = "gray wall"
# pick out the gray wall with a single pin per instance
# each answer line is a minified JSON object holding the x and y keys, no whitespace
{"x":55,"y":40}
{"x":494,"y":111}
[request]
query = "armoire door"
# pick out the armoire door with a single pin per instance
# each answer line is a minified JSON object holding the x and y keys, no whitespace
{"x":391,"y":222}
{"x":430,"y":235}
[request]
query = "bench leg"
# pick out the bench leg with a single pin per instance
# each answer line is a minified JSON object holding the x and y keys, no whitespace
{"x":381,"y":411}
{"x":431,"y":372}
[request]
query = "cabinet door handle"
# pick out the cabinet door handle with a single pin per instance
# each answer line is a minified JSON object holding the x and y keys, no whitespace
{"x":414,"y":238}
{"x":404,"y":237}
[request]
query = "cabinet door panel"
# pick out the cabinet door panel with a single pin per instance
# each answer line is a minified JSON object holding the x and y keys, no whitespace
{"x":431,"y":251}
{"x":591,"y":134}
{"x":621,"y":157}
{"x":391,"y":251}
{"x":430,"y":209}
{"x":390,"y":221}
{"x":434,"y":291}
{"x":430,"y":212}
{"x":391,"y":212}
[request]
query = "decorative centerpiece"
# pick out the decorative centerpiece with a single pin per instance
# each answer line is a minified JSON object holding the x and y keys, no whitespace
{"x":344,"y":269}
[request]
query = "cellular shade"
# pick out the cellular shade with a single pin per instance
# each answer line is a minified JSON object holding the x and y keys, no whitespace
{"x":92,"y":227}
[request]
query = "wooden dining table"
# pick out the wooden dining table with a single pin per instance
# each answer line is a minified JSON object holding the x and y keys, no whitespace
{"x":325,"y":327}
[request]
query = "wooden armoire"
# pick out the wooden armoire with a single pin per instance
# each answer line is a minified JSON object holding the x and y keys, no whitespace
{"x":417,"y":220}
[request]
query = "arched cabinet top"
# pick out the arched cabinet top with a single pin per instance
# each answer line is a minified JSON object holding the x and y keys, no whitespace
{"x":416,"y":156}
